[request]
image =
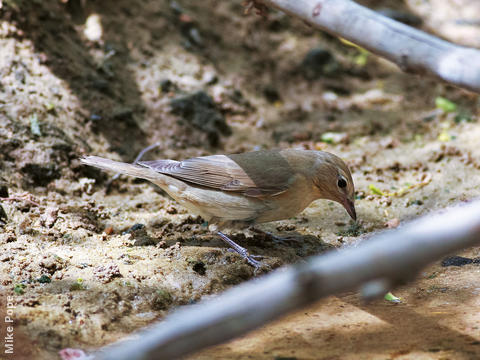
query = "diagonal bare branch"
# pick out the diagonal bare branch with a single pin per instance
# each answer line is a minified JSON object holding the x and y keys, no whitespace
{"x":383,"y":261}
{"x":412,"y":50}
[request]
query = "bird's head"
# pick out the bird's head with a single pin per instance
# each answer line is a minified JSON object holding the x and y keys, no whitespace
{"x":333,"y":180}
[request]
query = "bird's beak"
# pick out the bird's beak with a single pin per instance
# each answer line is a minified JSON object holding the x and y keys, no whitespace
{"x":350,"y":207}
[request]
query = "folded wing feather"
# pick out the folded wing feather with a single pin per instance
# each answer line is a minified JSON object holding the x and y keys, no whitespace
{"x":216,"y":171}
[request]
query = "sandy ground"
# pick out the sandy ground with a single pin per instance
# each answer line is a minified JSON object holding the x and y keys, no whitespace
{"x":87,"y":261}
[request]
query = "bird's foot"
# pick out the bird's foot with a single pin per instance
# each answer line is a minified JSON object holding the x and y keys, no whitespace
{"x":242,"y":251}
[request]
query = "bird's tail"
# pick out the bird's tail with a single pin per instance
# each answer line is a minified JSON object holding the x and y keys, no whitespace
{"x":121,"y":167}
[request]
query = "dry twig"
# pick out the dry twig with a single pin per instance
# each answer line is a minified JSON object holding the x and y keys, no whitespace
{"x":27,"y":197}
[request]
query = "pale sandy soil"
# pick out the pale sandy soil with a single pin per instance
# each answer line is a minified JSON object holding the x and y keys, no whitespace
{"x":64,"y":94}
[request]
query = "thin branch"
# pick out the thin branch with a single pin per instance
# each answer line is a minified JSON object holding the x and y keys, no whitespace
{"x":385,"y":260}
{"x":144,"y":151}
{"x":27,"y":197}
{"x":412,"y":50}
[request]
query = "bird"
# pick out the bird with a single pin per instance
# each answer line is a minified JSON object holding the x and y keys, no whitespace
{"x":241,"y":190}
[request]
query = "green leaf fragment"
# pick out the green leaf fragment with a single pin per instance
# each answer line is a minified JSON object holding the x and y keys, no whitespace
{"x":445,"y":104}
{"x":362,"y":58}
{"x":444,"y":136}
{"x":333,"y":137}
{"x":77,"y":285}
{"x":18,"y":289}
{"x":50,"y":106}
{"x":392,"y":298}
{"x":375,"y":190}
{"x":463,"y":117}
{"x":44,"y":279}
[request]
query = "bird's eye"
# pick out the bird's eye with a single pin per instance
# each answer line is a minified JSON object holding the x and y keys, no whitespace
{"x":342,"y":183}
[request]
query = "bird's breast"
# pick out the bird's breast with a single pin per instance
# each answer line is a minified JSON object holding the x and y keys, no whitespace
{"x":289,"y":203}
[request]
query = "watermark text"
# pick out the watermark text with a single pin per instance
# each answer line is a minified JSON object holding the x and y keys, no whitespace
{"x":8,"y":340}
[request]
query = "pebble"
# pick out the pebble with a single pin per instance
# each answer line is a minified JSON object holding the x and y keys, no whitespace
{"x":317,"y":63}
{"x":392,"y":223}
{"x":200,"y":111}
{"x":3,"y":216}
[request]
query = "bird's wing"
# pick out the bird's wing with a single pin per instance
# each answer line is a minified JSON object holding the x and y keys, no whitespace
{"x":252,"y":175}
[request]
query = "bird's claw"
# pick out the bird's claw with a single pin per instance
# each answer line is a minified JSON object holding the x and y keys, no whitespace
{"x":243,"y":252}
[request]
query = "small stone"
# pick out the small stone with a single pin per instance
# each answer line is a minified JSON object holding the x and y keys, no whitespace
{"x":3,"y":216}
{"x":106,"y":273}
{"x":456,"y":261}
{"x":25,"y":227}
{"x":392,"y":223}
{"x":139,"y":233}
{"x":301,"y":135}
{"x":172,"y":210}
{"x":286,"y":227}
{"x":20,"y":76}
{"x":122,"y":113}
{"x":199,"y":268}
{"x":86,"y":185}
{"x":318,"y":62}
{"x":3,"y":191}
{"x":176,"y":7}
{"x":93,"y":28}
{"x":108,"y":230}
{"x":416,"y":202}
{"x":166,"y":85}
{"x":7,"y":238}
{"x":72,"y":354}
{"x":199,"y":110}
{"x":49,"y":217}
{"x":40,"y":174}
{"x":52,"y":263}
{"x":134,"y":228}
{"x":195,"y":37}
{"x":161,"y":300}
{"x":100,"y":84}
{"x":271,"y":94}
{"x":389,"y":143}
{"x":185,"y":18}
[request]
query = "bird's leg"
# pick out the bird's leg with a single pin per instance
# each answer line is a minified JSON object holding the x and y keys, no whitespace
{"x":241,"y":250}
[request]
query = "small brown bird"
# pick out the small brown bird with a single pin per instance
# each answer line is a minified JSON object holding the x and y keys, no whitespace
{"x":246,"y":189}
